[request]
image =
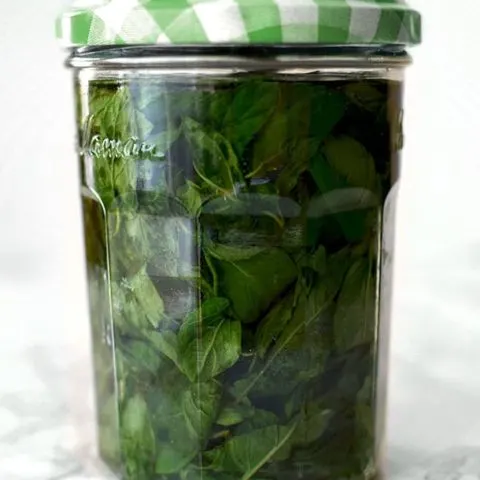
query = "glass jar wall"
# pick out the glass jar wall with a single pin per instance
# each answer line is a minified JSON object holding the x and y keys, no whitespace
{"x":233,"y":205}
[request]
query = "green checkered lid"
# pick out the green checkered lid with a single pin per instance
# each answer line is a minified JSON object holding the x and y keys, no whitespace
{"x":265,"y":22}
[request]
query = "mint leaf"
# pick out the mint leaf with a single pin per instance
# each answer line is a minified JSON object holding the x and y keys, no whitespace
{"x":313,"y":422}
{"x":148,"y":299}
{"x":215,"y":161}
{"x":210,"y":349}
{"x":250,"y":109}
{"x":350,"y":206}
{"x":138,"y":439}
{"x":200,"y":407}
{"x":328,"y":107}
{"x":351,"y":160}
{"x":273,"y":324}
{"x":300,"y":152}
{"x":166,"y":343}
{"x":191,"y":198}
{"x":137,"y":306}
{"x":270,"y":154}
{"x":230,"y":416}
{"x":170,"y":460}
{"x":253,"y":284}
{"x":365,"y":95}
{"x":184,"y":415}
{"x":247,"y":454}
{"x":141,"y":357}
{"x":210,"y":312}
{"x":260,"y":420}
{"x":355,"y":314}
{"x":232,"y":254}
{"x":299,"y":353}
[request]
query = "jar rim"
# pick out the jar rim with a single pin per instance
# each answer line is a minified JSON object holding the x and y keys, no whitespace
{"x":237,"y":56}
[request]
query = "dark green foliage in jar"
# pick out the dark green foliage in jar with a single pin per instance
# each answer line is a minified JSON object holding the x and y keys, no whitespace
{"x":242,"y":224}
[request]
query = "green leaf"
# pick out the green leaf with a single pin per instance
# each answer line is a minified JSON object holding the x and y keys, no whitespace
{"x":250,"y":109}
{"x":355,"y":314}
{"x":292,"y":136}
{"x":313,"y":422}
{"x":300,"y":153}
{"x":365,"y":409}
{"x":166,"y":343}
{"x":151,"y":233}
{"x":200,"y":406}
{"x":210,"y":312}
{"x":219,"y":102}
{"x":338,"y":264}
{"x":308,"y":310}
{"x":351,"y":160}
{"x":185,"y":414}
{"x":250,"y":223}
{"x":193,"y":472}
{"x":327,"y":109}
{"x":366,"y":96}
{"x":138,"y":439}
{"x":165,"y":400}
{"x":259,"y":420}
{"x":170,"y":460}
{"x":148,"y":299}
{"x":140,"y":356}
{"x":209,"y":350}
{"x":137,"y":306}
{"x":112,"y":120}
{"x":365,"y":420}
{"x":291,"y":369}
{"x":324,"y":174}
{"x":343,"y":202}
{"x":111,"y":109}
{"x":191,"y":198}
{"x":108,"y":434}
{"x":234,"y":415}
{"x":349,"y":205}
{"x":300,"y":351}
{"x":214,"y":307}
{"x":253,"y":284}
{"x":124,"y":174}
{"x":269,"y":150}
{"x":214,"y":159}
{"x":273,"y":324}
{"x":316,"y":261}
{"x":247,"y":454}
{"x":231,"y":254}
{"x":319,"y":260}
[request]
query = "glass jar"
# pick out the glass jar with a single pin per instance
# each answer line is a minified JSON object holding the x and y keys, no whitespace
{"x":233,"y":200}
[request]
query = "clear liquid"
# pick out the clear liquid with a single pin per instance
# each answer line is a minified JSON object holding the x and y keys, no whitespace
{"x":233,"y":232}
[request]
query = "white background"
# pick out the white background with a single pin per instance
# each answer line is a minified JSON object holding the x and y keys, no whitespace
{"x":44,"y":336}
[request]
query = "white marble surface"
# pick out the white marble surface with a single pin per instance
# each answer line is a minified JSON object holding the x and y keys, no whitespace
{"x":46,"y":416}
{"x":46,"y":422}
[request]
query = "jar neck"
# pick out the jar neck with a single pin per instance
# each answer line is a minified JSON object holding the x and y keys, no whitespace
{"x":252,"y":57}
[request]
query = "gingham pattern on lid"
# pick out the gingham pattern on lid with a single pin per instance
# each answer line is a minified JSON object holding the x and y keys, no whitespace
{"x":200,"y":22}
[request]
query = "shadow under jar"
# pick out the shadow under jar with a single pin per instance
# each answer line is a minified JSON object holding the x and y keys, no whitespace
{"x":233,"y":200}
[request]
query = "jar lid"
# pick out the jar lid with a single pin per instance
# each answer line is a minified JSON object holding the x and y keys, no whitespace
{"x":238,"y":22}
